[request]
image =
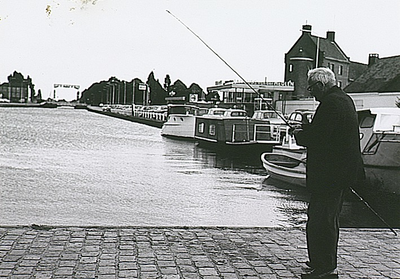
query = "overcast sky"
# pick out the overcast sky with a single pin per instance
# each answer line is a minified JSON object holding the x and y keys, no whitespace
{"x":85,"y":41}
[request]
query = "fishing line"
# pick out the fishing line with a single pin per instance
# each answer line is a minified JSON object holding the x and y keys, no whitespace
{"x":230,"y":67}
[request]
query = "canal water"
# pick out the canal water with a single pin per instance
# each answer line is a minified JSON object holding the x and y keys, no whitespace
{"x":73,"y":167}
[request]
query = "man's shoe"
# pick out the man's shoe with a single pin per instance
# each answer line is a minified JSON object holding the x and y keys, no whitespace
{"x":309,"y":264}
{"x":320,"y":274}
{"x":308,"y":268}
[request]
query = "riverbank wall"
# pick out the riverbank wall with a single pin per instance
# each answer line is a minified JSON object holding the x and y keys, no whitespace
{"x":158,"y":123}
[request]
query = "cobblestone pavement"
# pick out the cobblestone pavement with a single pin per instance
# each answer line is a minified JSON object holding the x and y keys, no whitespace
{"x":193,"y":252}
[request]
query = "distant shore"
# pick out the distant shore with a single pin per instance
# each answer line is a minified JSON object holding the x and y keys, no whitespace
{"x":29,"y":105}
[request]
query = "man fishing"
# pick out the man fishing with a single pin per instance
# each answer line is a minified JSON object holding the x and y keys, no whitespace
{"x":334,"y":164}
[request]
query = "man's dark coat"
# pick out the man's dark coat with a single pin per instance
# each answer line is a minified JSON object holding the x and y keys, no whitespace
{"x":333,"y":146}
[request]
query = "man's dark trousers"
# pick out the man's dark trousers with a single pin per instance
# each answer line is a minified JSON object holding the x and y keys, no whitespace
{"x":323,"y":229}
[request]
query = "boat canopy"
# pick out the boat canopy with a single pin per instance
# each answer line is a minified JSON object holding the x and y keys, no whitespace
{"x":381,"y":119}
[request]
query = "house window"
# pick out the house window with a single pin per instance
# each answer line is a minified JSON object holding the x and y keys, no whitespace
{"x":339,"y":84}
{"x":340,"y":71}
{"x":290,"y":68}
{"x":332,"y":67}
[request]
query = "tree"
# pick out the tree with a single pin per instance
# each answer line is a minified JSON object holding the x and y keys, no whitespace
{"x":39,"y":96}
{"x":157,"y":92}
{"x":167,"y":83}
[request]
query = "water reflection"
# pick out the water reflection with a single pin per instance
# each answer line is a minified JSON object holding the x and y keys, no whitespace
{"x":294,"y":199}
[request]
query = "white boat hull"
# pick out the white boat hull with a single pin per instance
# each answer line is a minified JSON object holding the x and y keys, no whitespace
{"x":278,"y":166}
{"x":179,"y":126}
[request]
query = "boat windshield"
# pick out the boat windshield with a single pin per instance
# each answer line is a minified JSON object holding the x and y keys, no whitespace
{"x":238,"y":113}
{"x":218,"y":112}
{"x":183,"y":110}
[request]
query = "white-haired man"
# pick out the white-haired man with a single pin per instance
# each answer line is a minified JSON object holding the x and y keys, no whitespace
{"x":334,"y":164}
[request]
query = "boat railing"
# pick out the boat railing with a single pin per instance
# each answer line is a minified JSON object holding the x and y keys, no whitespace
{"x":151,"y":115}
{"x":270,"y":132}
{"x":265,"y":133}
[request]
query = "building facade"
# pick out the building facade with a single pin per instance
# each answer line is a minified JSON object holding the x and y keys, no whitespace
{"x":310,"y":52}
{"x":256,"y":96}
{"x":18,"y":89}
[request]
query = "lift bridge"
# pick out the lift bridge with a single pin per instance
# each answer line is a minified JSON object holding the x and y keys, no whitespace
{"x":58,"y":86}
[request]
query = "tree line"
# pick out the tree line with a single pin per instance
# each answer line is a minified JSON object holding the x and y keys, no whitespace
{"x":115,"y":91}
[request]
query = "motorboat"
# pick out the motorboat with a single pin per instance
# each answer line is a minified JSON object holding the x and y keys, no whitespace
{"x":285,"y":168}
{"x":380,"y":148}
{"x":181,"y":121}
{"x":277,"y":123}
{"x":215,"y":112}
{"x":234,"y":129}
{"x":229,"y":127}
{"x":273,"y":117}
{"x":290,"y":147}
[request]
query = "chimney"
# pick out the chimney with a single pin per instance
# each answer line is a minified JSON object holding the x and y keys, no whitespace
{"x":306,"y":29}
{"x":372,"y":59}
{"x":330,"y":35}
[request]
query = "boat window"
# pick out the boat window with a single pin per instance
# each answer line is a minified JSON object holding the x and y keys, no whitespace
{"x":201,"y":128}
{"x":211,"y":130}
{"x":373,"y":144}
{"x":177,"y":110}
{"x":271,"y":115}
{"x":219,"y":112}
{"x":238,"y":113}
{"x":202,"y":111}
{"x":367,"y":121}
{"x":309,"y":117}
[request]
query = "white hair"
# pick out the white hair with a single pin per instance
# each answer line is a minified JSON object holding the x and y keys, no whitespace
{"x":323,"y":75}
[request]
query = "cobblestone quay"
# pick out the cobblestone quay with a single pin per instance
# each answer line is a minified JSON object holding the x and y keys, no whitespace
{"x":185,"y":252}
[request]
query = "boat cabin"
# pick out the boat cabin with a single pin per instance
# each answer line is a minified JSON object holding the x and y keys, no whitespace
{"x":275,"y":117}
{"x":215,"y":112}
{"x":380,"y":147}
{"x":234,"y":127}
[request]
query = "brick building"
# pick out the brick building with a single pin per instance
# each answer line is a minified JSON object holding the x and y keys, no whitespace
{"x":311,"y":51}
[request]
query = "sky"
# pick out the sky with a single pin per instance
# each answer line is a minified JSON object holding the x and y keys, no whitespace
{"x":80,"y":42}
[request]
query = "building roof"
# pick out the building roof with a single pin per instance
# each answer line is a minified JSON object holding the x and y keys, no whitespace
{"x":330,"y":48}
{"x":382,"y":76}
{"x":356,"y":69}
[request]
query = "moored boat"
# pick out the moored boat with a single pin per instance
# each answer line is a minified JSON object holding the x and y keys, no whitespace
{"x":380,"y":147}
{"x":285,"y":168}
{"x":236,"y":131}
{"x":289,"y":147}
{"x":181,"y":121}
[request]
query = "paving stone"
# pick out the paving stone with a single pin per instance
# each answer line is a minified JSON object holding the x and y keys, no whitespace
{"x":192,"y":252}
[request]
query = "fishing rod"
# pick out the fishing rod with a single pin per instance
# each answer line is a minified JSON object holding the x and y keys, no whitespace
{"x":373,"y":211}
{"x":272,"y":108}
{"x":230,"y":67}
{"x":304,"y":161}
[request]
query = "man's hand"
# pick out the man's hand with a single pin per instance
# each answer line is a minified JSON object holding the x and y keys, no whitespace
{"x":296,"y":131}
